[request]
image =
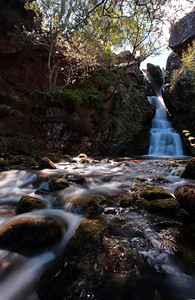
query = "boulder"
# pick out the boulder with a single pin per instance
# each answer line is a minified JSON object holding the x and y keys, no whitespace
{"x":151,"y":193}
{"x":182,"y":33}
{"x":57,"y":184}
{"x":189,"y":171}
{"x":156,"y":73}
{"x":173,"y":63}
{"x":46,"y":163}
{"x":185,"y":195}
{"x":75,"y":178}
{"x":163,"y":206}
{"x":28,"y":203}
{"x":30,"y":235}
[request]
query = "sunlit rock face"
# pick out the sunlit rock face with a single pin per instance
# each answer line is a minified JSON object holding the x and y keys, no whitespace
{"x":182,"y":33}
{"x":179,"y":97}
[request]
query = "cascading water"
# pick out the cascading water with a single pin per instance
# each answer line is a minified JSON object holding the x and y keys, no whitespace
{"x":164,"y":140}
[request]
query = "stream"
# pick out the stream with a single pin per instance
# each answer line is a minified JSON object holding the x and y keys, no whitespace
{"x":169,"y":274}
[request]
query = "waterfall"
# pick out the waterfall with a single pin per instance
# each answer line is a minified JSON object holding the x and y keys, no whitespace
{"x":164,"y":140}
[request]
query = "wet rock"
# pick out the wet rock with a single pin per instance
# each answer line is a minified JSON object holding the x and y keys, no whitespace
{"x":90,"y":205}
{"x":84,"y":161}
{"x":128,"y":200}
{"x":75,"y":178}
{"x":57,"y":184}
{"x":82,"y":155}
{"x":189,"y":171}
{"x":110,"y":211}
{"x":151,"y":193}
{"x":28,"y":203}
{"x":156,"y":73}
{"x":185,"y":195}
{"x":29,"y":235}
{"x":46,"y":163}
{"x":163,"y":206}
{"x":92,"y":264}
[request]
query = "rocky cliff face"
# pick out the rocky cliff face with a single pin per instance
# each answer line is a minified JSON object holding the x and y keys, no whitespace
{"x":106,"y":114}
{"x":179,"y":94}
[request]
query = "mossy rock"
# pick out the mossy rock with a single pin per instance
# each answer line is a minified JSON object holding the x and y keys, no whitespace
{"x":57,"y":184}
{"x":189,"y":171}
{"x":30,"y":235}
{"x":84,"y":161}
{"x":4,"y":163}
{"x":185,"y":194}
{"x":82,"y":155}
{"x":46,"y":163}
{"x":168,"y":206}
{"x":28,"y":203}
{"x":94,"y":208}
{"x":152,"y":193}
{"x":128,"y":200}
{"x":30,"y":162}
{"x":89,"y":205}
{"x":87,"y":238}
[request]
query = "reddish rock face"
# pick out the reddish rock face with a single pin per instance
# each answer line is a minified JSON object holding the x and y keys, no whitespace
{"x":185,"y":195}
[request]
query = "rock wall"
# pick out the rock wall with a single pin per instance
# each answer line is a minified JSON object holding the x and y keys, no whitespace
{"x":179,"y":98}
{"x":107,"y":114}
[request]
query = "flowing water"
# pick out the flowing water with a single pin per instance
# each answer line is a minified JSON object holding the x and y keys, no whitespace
{"x":18,"y":274}
{"x":164,"y":140}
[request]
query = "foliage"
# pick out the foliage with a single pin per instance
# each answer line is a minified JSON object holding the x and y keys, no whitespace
{"x":185,"y":76}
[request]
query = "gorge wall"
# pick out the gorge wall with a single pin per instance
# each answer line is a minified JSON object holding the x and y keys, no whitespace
{"x":106,"y":114}
{"x":178,"y":92}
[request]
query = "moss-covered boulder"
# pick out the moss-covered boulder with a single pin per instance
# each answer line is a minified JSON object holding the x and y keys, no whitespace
{"x":128,"y":200}
{"x":56,"y":184}
{"x":4,"y":163}
{"x":46,"y":163}
{"x":168,"y":206}
{"x":29,"y":235}
{"x":93,"y":263}
{"x":28,"y":203}
{"x":91,"y":205}
{"x":185,"y":195}
{"x":189,"y":171}
{"x":79,"y":179}
{"x":151,"y":193}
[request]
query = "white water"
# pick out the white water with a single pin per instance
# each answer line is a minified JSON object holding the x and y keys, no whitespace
{"x":164,"y":140}
{"x":18,"y":274}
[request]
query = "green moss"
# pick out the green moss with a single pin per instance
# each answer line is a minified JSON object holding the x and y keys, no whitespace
{"x":46,"y":163}
{"x":164,"y":206}
{"x":151,"y":193}
{"x":87,"y":238}
{"x":57,"y":184}
{"x":28,"y":203}
{"x":128,"y":200}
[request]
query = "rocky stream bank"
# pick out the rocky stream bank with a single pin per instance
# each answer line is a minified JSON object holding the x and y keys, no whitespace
{"x":131,"y":222}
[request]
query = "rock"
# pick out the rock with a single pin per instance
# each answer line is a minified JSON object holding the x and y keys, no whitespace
{"x":84,"y":161}
{"x":189,"y":171}
{"x":82,"y":155}
{"x":128,"y":200}
{"x":151,"y":193}
{"x":46,"y":163}
{"x":29,"y":235}
{"x":156,"y":73}
{"x":28,"y":203}
{"x":163,"y":206}
{"x":173,"y":63}
{"x":182,"y":33}
{"x":57,"y":184}
{"x":90,"y":205}
{"x":185,"y":195}
{"x":93,"y":263}
{"x":75,"y":178}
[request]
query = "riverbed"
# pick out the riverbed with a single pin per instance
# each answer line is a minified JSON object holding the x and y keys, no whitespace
{"x":167,"y":274}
